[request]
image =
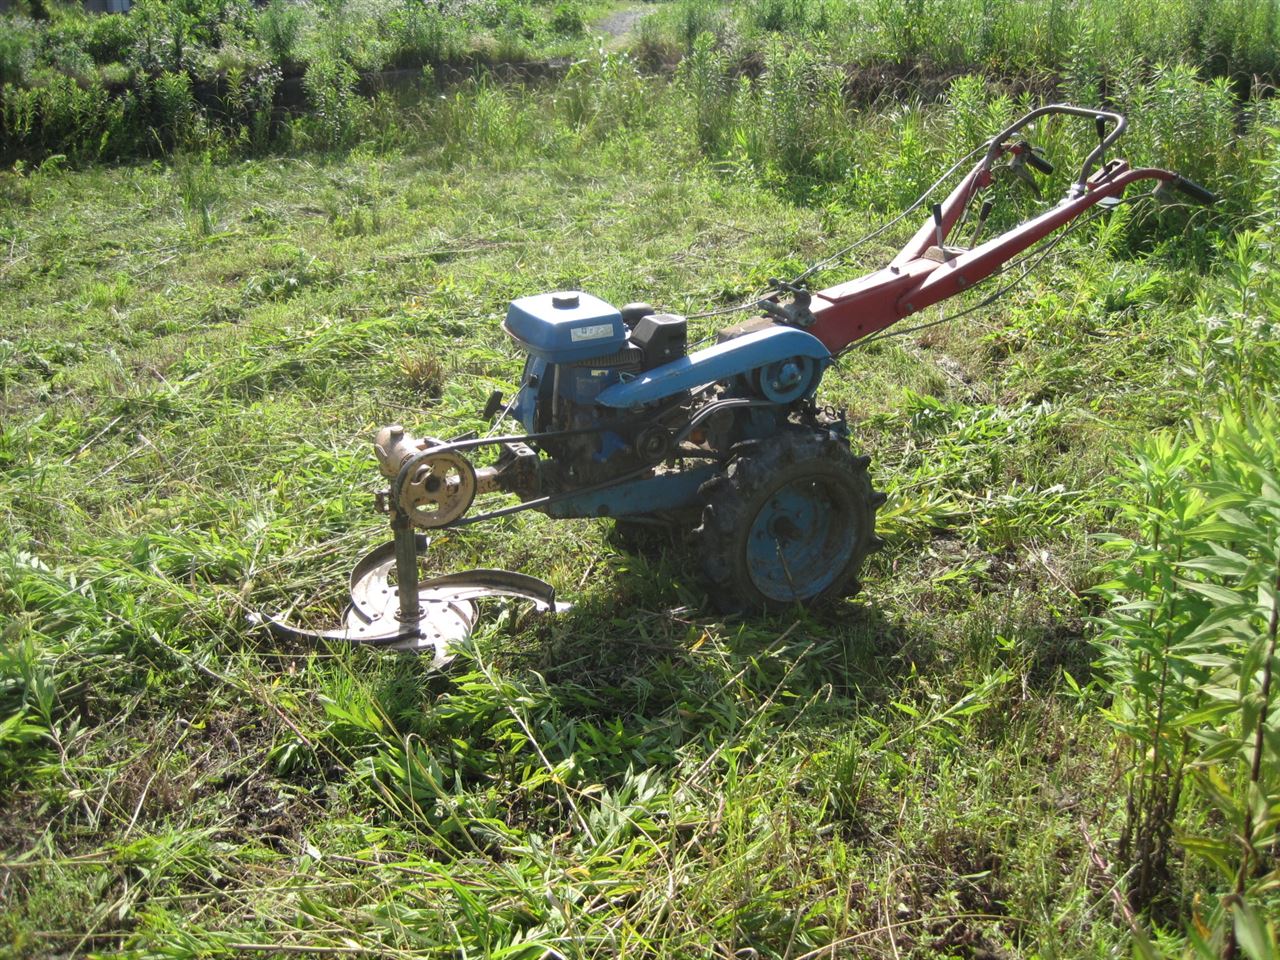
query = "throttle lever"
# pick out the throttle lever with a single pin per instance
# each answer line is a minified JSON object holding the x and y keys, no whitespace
{"x":1024,"y":152}
{"x":1025,"y":155}
{"x":1037,"y":162}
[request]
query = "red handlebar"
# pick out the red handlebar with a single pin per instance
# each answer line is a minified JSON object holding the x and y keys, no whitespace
{"x":927,"y":271}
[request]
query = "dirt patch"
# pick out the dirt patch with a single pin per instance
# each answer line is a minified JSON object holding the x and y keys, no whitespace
{"x":619,"y":24}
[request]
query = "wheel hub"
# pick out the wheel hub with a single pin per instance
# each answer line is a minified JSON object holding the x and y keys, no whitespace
{"x":783,"y":528}
{"x":799,"y":542}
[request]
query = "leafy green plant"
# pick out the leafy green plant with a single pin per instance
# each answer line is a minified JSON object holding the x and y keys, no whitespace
{"x":704,"y":75}
{"x":567,"y":20}
{"x":1190,"y":649}
{"x":109,"y":39}
{"x":175,"y":108}
{"x":279,"y":26}
{"x":696,"y":18}
{"x":17,"y":50}
{"x":331,"y":87}
{"x":605,"y":96}
{"x":1153,"y":689}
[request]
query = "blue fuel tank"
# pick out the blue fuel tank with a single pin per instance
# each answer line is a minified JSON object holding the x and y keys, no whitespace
{"x":566,"y":327}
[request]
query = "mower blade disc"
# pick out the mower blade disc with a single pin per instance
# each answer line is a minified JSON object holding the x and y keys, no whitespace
{"x":447,"y":604}
{"x":441,"y":628}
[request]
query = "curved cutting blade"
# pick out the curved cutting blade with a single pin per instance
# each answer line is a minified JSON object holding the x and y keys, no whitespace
{"x":447,"y":605}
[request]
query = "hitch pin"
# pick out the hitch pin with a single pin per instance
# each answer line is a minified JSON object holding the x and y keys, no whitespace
{"x":985,"y":212}
{"x":937,"y":226}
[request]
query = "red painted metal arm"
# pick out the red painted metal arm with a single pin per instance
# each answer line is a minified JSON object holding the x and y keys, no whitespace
{"x":850,"y":311}
{"x":962,"y":272}
{"x":976,"y":180}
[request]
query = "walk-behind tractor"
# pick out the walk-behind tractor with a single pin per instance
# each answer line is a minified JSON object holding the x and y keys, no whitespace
{"x":617,"y":418}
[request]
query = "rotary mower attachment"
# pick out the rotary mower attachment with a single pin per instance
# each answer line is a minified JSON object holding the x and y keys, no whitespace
{"x":441,"y":613}
{"x":615,"y":417}
{"x":432,"y":620}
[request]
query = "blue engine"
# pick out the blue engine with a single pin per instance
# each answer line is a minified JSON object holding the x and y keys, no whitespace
{"x":563,"y":327}
{"x":607,"y":391}
{"x":577,"y":347}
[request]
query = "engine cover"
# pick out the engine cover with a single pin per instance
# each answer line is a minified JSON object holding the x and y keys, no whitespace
{"x":566,"y":327}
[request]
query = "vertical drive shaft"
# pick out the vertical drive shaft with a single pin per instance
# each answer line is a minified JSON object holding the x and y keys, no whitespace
{"x":406,"y":567}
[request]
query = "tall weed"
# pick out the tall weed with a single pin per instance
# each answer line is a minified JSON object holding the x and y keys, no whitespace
{"x":197,"y":190}
{"x":704,"y":77}
{"x":1189,"y":649}
{"x":279,"y":27}
{"x":697,"y":17}
{"x":175,"y":108}
{"x":330,"y":83}
{"x":606,"y":95}
{"x":1188,"y":644}
{"x":17,"y":51}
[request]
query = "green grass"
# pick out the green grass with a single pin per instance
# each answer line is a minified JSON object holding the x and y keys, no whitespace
{"x":195,"y":358}
{"x":235,"y":76}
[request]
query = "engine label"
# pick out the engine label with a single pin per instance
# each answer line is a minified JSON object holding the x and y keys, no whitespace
{"x":597,"y":331}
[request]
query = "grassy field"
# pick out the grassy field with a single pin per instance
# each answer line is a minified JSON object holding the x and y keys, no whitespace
{"x":195,"y":353}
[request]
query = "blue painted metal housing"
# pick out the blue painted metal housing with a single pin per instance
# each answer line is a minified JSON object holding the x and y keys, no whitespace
{"x":667,"y":491}
{"x":724,"y":360}
{"x":532,"y":382}
{"x":565,"y":327}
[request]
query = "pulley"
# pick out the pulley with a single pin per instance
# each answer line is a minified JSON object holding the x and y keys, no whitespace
{"x":438,"y":489}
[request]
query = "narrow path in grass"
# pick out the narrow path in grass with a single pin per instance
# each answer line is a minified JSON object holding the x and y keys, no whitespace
{"x":621,"y":24}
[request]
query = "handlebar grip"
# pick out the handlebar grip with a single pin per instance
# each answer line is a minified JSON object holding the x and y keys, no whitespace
{"x":1193,"y":190}
{"x":1037,"y":162}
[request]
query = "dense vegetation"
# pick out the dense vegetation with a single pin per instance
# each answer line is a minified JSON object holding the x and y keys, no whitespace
{"x":1047,"y":728}
{"x":237,"y":75}
{"x":1018,"y":38}
{"x":241,"y":78}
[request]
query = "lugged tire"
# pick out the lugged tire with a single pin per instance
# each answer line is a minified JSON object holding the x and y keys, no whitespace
{"x":644,"y":539}
{"x":770,"y":484}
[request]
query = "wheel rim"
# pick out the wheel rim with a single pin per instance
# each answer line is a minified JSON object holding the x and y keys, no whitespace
{"x":800,"y":541}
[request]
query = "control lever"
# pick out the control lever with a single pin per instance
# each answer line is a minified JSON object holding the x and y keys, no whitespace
{"x":1033,"y":157}
{"x":987,"y":207}
{"x":1037,"y":162}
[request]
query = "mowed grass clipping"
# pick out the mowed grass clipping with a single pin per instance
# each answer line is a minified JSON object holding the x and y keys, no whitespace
{"x":196,"y":357}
